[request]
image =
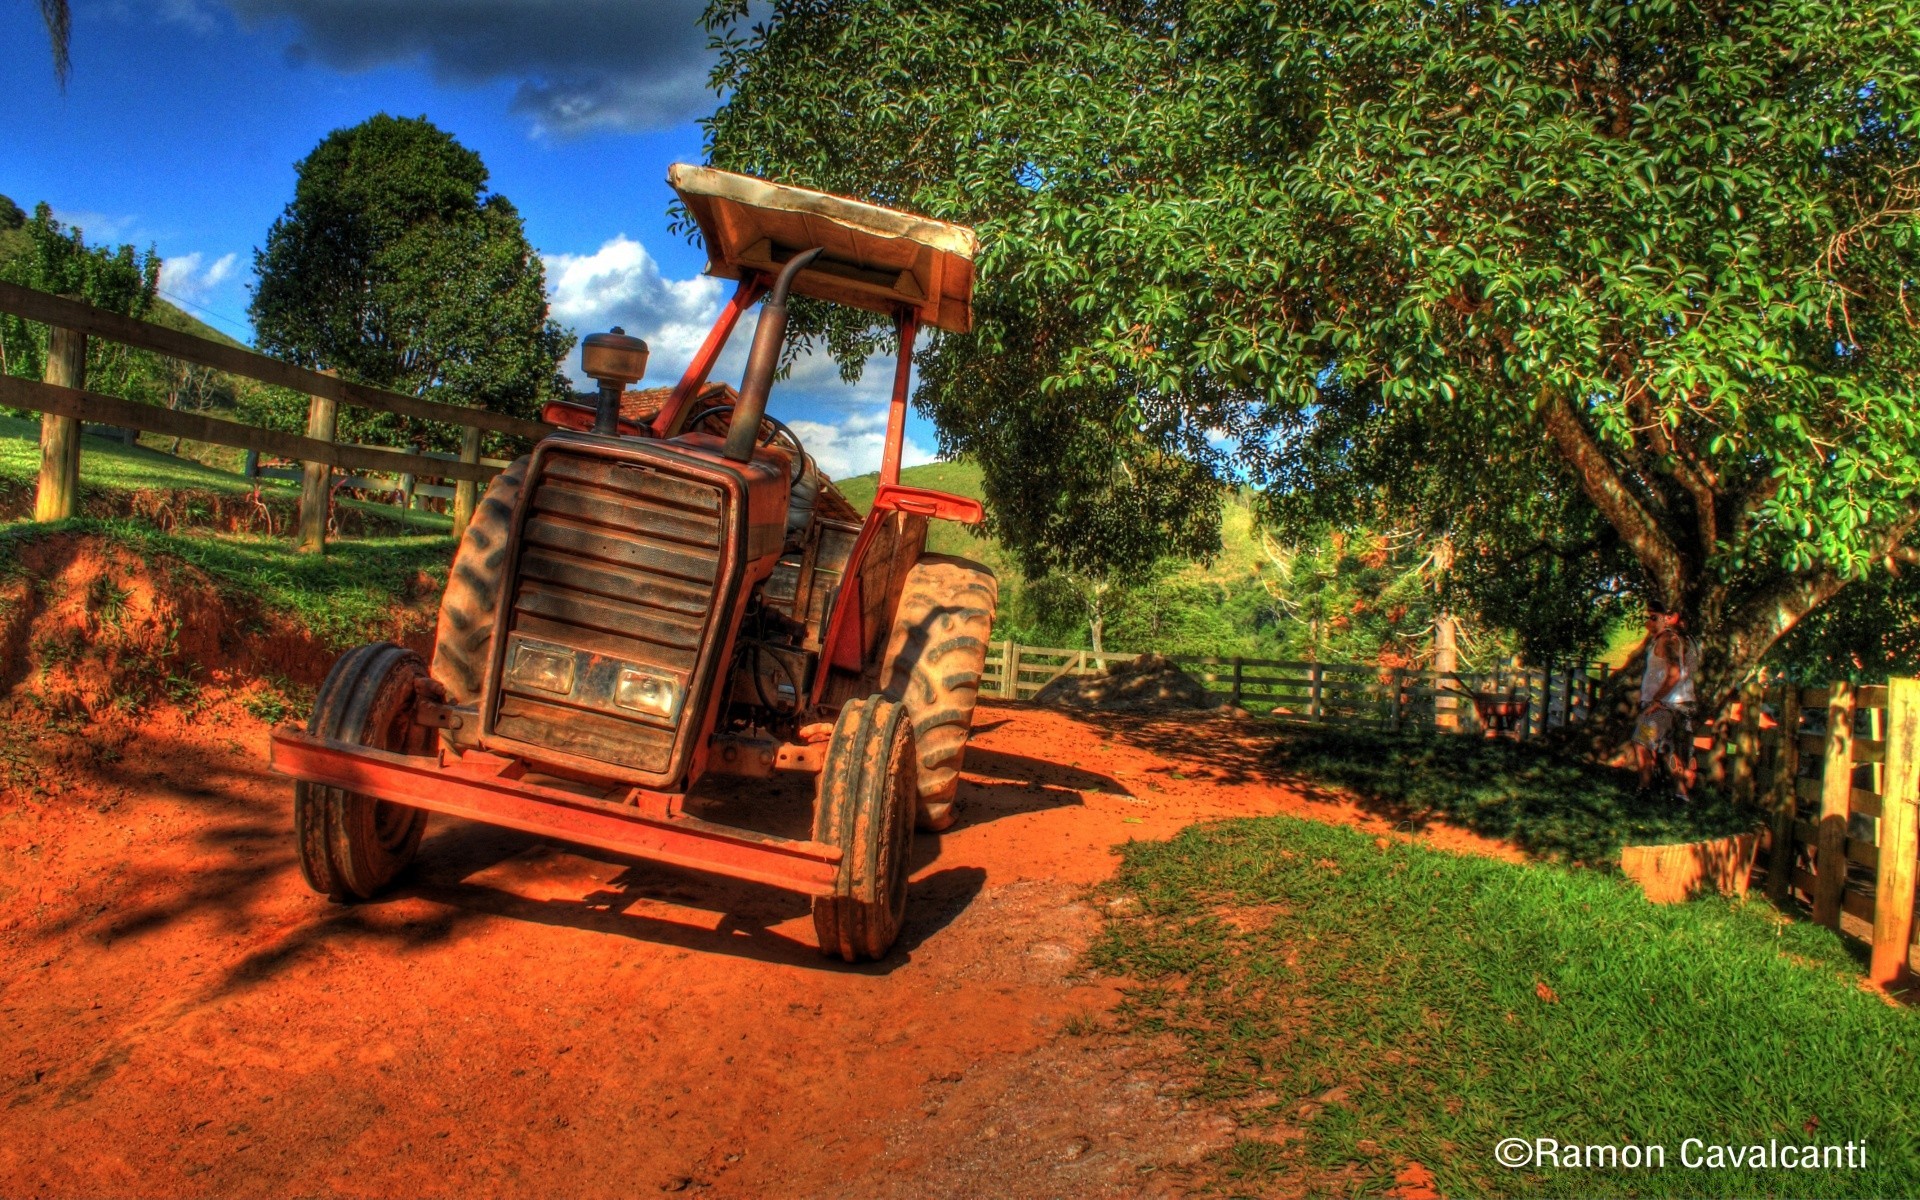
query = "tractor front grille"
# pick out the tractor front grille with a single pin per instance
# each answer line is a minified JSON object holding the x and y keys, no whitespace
{"x":612,"y":601}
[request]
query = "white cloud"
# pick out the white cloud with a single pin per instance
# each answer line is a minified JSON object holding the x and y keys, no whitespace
{"x":98,"y":228}
{"x":853,"y":447}
{"x":621,"y":284}
{"x":192,"y":278}
{"x":844,"y":426}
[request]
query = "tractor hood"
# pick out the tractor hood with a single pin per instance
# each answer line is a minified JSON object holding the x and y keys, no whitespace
{"x":873,"y":258}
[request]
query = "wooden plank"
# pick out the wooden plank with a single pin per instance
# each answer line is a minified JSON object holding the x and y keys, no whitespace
{"x":1899,"y":835}
{"x":1872,"y":695}
{"x":1836,"y":789}
{"x":58,"y":492}
{"x":1852,"y":902}
{"x":1858,"y":850}
{"x":72,"y":314}
{"x":1786,"y":767}
{"x":111,"y":410}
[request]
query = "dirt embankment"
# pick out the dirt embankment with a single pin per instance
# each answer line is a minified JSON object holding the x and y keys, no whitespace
{"x":182,"y":1017}
{"x":89,"y":628}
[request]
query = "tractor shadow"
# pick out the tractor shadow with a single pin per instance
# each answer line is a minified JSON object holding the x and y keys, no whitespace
{"x":480,"y":871}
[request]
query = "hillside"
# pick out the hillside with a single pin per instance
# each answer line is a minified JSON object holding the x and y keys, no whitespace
{"x":1202,"y":608}
{"x":14,"y":241}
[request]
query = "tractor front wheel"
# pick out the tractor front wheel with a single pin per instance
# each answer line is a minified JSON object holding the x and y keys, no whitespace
{"x":865,"y":807}
{"x":351,"y":846}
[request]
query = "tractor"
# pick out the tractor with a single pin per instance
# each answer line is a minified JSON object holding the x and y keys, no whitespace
{"x":646,"y":600}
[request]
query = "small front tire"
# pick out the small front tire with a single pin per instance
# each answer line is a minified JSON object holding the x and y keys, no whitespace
{"x":866,"y":807}
{"x":351,"y":845}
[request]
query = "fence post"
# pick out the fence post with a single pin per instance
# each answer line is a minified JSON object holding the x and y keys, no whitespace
{"x":316,"y":485}
{"x":1238,"y":667}
{"x":1011,"y":684}
{"x":466,"y":493}
{"x":1899,"y":843}
{"x":1786,"y":796}
{"x":1746,"y":767}
{"x":1836,"y":793}
{"x":59,"y":489}
{"x":1315,"y":711}
{"x":1399,"y":686}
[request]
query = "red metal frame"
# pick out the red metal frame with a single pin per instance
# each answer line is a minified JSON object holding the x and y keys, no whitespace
{"x":480,"y":787}
{"x":906,"y":325}
{"x":752,"y":287}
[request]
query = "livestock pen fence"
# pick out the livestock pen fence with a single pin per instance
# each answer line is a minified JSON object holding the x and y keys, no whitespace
{"x":1845,"y":780}
{"x":65,"y":403}
{"x":1836,"y":769}
{"x":1526,"y":701}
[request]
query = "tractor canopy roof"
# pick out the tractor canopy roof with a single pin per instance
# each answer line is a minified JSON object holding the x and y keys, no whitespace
{"x":873,"y":258}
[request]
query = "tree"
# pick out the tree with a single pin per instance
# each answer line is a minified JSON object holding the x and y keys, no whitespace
{"x":59,"y":20}
{"x":394,"y":266}
{"x":1662,"y":247}
{"x":56,"y":258}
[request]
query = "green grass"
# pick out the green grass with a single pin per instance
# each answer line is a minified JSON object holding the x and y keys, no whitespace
{"x":347,"y":596}
{"x":1545,"y":801}
{"x":1460,"y":1000}
{"x":107,"y":464}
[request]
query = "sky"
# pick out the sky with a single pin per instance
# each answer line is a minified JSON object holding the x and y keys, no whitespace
{"x":182,"y":121}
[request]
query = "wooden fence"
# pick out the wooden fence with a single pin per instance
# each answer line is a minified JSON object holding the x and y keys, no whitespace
{"x":1845,"y":781}
{"x":64,"y":403}
{"x":1332,"y":693}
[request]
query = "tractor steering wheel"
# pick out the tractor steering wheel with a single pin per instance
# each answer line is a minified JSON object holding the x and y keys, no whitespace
{"x":780,"y":433}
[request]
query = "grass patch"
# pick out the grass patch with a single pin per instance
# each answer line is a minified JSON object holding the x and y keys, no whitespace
{"x":111,"y":466}
{"x":1456,"y":1001}
{"x":1542,"y":800}
{"x":346,"y":596}
{"x":106,"y":463}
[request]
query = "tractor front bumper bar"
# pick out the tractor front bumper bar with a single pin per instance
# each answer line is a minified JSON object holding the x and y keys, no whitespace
{"x":483,"y":792}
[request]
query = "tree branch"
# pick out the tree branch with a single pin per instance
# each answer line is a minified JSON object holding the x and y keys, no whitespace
{"x":1616,"y":501}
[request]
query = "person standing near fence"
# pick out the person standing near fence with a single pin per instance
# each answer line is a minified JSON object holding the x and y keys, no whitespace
{"x":1664,"y":732}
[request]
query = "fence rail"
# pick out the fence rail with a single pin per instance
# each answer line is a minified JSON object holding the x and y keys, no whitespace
{"x":65,"y":403}
{"x":1845,"y":763}
{"x":1536,"y":699}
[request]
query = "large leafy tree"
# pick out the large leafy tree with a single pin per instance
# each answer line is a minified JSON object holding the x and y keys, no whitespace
{"x":1655,"y":255}
{"x":396,"y":267}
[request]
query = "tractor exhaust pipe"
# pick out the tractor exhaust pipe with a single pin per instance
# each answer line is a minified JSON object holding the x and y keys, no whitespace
{"x":768,"y":338}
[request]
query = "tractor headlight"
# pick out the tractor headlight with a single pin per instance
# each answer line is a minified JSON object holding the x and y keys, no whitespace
{"x":648,"y":692}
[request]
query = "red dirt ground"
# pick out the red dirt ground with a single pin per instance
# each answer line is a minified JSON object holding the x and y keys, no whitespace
{"x":182,"y":1017}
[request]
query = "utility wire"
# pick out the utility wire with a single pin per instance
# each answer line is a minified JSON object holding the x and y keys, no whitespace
{"x":242,"y":326}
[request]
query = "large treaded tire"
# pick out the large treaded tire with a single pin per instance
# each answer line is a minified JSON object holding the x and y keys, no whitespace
{"x":865,"y":807}
{"x":935,"y":655}
{"x":351,"y":846}
{"x":464,"y":638}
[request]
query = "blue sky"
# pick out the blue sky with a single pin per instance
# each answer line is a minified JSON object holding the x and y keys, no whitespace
{"x":183,"y":119}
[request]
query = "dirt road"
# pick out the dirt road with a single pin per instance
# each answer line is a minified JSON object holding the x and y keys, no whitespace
{"x":182,"y":1016}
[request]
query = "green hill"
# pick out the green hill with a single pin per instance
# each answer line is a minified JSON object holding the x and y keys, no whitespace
{"x":1199,"y":608}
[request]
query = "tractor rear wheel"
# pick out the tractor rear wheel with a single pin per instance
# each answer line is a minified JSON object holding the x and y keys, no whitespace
{"x":465,"y":634}
{"x":351,"y":846}
{"x":935,"y":655}
{"x":865,"y":807}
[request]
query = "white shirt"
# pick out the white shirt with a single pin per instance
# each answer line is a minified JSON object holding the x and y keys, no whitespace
{"x":1682,"y":690}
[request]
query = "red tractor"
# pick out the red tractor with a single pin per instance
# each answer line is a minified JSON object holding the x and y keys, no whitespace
{"x":641,"y":603}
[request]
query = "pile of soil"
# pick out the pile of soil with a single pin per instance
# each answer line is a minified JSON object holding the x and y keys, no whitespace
{"x":91,"y":629}
{"x":1149,"y":683}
